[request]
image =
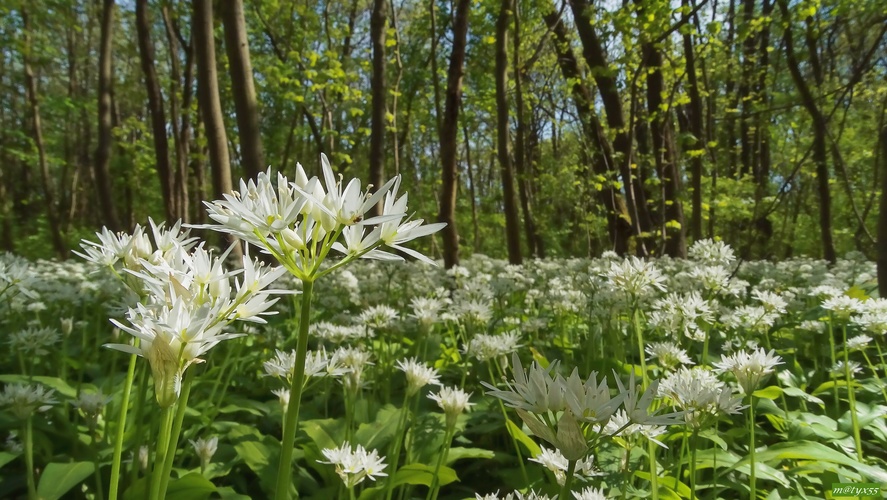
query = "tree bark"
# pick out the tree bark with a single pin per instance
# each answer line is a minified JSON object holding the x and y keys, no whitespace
{"x":448,"y":134}
{"x":603,"y":164}
{"x":243,"y":88}
{"x":882,"y":218}
{"x":156,"y":109}
{"x":208,"y":98}
{"x":595,"y":57}
{"x":180,"y":118}
{"x":105,"y":121}
{"x":820,"y":138}
{"x":695,"y":149}
{"x":379,"y":90}
{"x":534,"y":240}
{"x":512,"y":220}
{"x":58,"y":240}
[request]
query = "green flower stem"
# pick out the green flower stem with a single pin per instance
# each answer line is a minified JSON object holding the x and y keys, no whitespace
{"x":568,"y":480}
{"x":163,"y":435}
{"x":181,"y":407}
{"x":140,"y":403}
{"x":441,"y":458}
{"x":693,"y":446}
{"x":121,"y":428}
{"x":681,"y":455}
{"x":751,"y":447}
{"x":875,"y":374}
{"x":29,"y":459}
{"x":394,"y":454}
{"x":285,"y":468}
{"x":651,"y":446}
{"x":520,"y":458}
{"x":834,"y":359}
{"x":100,"y":495}
{"x":851,"y":396}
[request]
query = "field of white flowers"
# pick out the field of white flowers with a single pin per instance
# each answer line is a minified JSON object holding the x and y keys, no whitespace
{"x":155,"y":368}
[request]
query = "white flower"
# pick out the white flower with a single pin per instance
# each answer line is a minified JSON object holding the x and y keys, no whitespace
{"x":25,"y":400}
{"x":484,"y":347}
{"x":205,"y":449}
{"x":91,"y":403}
{"x":842,"y":306}
{"x":418,"y":375}
{"x":711,"y":252}
{"x":453,"y":401}
{"x":749,"y":367}
{"x":590,"y":493}
{"x":538,"y":391}
{"x":669,"y":354}
{"x":354,"y":466}
{"x":558,"y":464}
{"x":635,"y":277}
{"x":853,"y":367}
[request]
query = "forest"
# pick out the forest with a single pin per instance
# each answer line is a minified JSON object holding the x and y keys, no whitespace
{"x":516,"y":249}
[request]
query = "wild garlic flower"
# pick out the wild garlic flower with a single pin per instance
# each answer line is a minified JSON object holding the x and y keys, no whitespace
{"x":750,"y":368}
{"x":300,"y":222}
{"x":33,"y":341}
{"x":537,"y":391}
{"x":685,"y":314}
{"x":418,"y":375}
{"x":426,"y":310}
{"x":711,"y":252}
{"x":590,"y":493}
{"x":622,"y":425}
{"x":838,"y":369}
{"x":858,"y":343}
{"x":637,"y":406}
{"x":354,"y":466}
{"x":355,"y":360}
{"x":378,"y":317}
{"x":205,"y":449}
{"x":25,"y":400}
{"x":317,"y":364}
{"x":514,"y":495}
{"x":635,"y":277}
{"x":453,"y":401}
{"x":484,"y":347}
{"x":283,"y":395}
{"x":698,"y":392}
{"x":842,"y":306}
{"x":191,"y":301}
{"x":338,"y":334}
{"x":669,"y":355}
{"x":557,"y":463}
{"x":771,"y":302}
{"x":91,"y":403}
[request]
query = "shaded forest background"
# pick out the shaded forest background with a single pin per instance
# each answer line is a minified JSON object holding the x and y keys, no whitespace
{"x":535,"y":128}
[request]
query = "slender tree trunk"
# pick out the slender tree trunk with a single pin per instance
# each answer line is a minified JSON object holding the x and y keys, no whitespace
{"x":157,"y":110}
{"x":820,"y":138}
{"x":603,"y":163}
{"x":472,"y":191}
{"x":448,"y":132}
{"x":243,"y":88}
{"x":534,"y":243}
{"x":595,"y":56}
{"x":882,"y":218}
{"x":58,"y":240}
{"x":180,"y":115}
{"x":379,"y":91}
{"x":695,"y":150}
{"x":512,"y":220}
{"x":208,"y":97}
{"x":105,"y":123}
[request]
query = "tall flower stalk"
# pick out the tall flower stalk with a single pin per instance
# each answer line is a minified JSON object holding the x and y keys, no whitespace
{"x":300,"y":223}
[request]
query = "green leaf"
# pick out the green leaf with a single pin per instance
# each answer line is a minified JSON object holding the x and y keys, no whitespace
{"x":190,"y":487}
{"x":58,"y":479}
{"x":377,"y":434}
{"x":459,"y":453}
{"x":809,"y":450}
{"x":798,"y":393}
{"x":521,"y":437}
{"x":771,"y":392}
{"x":6,"y":457}
{"x":59,"y":385}
{"x":422,"y":474}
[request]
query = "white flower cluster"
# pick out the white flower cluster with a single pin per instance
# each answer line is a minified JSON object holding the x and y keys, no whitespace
{"x":353,"y":466}
{"x":187,"y":298}
{"x":299,"y":222}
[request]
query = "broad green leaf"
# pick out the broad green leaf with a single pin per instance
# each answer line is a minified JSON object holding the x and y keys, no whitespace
{"x":771,"y":392}
{"x":521,"y":437}
{"x":668,"y":485}
{"x":58,"y":479}
{"x":798,"y":393}
{"x":190,"y":487}
{"x":377,"y":434}
{"x":326,"y":433}
{"x":423,"y":474}
{"x":6,"y":457}
{"x":460,"y":453}
{"x":59,"y":385}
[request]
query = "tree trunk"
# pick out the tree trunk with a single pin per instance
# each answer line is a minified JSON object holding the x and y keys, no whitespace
{"x":448,"y":133}
{"x":105,"y":124}
{"x":595,"y":57}
{"x":882,"y":219}
{"x":534,"y":241}
{"x":695,"y":149}
{"x":58,"y":240}
{"x":379,"y":90}
{"x":674,"y":229}
{"x":156,"y":108}
{"x":180,"y":118}
{"x":208,"y":97}
{"x":603,"y":164}
{"x":243,"y":88}
{"x":820,"y":138}
{"x":512,"y":220}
